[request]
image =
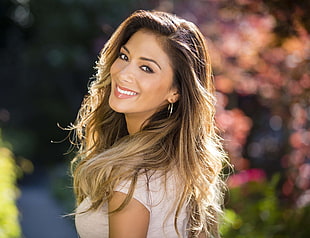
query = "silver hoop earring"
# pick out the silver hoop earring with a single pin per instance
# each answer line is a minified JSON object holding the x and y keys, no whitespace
{"x":170,"y":109}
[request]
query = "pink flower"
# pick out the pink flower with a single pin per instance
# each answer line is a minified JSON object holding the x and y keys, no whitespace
{"x":245,"y":176}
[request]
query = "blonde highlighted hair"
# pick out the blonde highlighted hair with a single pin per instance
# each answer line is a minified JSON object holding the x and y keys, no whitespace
{"x":185,"y":142}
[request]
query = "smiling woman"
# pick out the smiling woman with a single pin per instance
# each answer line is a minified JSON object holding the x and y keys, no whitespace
{"x":150,"y":160}
{"x":144,"y":77}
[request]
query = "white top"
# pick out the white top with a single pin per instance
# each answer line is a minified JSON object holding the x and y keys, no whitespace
{"x":160,"y":200}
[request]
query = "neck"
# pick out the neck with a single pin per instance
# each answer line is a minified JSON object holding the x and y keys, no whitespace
{"x":134,"y":124}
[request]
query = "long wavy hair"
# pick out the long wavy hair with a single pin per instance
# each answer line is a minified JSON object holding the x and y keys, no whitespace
{"x":186,"y":142}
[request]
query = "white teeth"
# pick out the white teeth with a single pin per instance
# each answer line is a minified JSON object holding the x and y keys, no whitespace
{"x":126,"y":92}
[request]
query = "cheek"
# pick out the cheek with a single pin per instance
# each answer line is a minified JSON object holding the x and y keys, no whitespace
{"x":156,"y":90}
{"x":117,"y":68}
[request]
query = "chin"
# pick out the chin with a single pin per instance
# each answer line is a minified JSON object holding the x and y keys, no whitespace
{"x":111,"y":104}
{"x":115,"y":107}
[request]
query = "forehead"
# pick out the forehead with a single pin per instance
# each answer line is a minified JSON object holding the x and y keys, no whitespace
{"x":147,"y":43}
{"x":146,"y":38}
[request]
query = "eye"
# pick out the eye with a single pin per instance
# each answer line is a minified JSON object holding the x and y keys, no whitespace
{"x":147,"y":69}
{"x":123,"y":56}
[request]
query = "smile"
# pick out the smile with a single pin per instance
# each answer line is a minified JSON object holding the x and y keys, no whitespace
{"x":129,"y":93}
{"x":124,"y":93}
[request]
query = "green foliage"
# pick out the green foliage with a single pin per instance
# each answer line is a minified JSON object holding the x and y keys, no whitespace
{"x":9,"y":225}
{"x":255,"y":211}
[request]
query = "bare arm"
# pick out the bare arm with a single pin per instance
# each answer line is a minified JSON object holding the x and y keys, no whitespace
{"x":131,"y":222}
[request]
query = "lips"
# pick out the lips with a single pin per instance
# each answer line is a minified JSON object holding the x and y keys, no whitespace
{"x":124,"y":93}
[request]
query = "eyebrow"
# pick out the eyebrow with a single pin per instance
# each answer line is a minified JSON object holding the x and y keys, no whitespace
{"x":143,"y":58}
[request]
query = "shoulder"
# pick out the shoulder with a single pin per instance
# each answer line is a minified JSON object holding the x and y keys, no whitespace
{"x":152,"y":188}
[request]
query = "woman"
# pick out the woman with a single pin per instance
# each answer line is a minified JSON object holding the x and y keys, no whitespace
{"x":150,"y":160}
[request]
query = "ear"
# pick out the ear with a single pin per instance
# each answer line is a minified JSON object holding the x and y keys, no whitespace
{"x":173,"y":96}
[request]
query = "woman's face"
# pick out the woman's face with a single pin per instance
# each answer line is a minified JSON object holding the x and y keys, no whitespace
{"x":141,"y":77}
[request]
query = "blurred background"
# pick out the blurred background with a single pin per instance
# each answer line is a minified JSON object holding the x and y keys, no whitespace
{"x":260,"y":55}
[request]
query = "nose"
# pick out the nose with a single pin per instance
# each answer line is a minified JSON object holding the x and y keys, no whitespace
{"x":126,"y":74}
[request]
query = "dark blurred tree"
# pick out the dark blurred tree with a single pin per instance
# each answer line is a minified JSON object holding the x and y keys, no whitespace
{"x":48,"y":50}
{"x":288,"y":13}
